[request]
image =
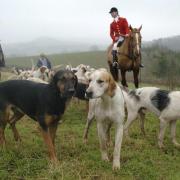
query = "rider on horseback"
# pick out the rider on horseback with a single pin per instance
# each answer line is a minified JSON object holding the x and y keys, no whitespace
{"x":119,"y":29}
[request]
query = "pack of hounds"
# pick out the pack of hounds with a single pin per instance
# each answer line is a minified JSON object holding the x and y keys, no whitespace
{"x":45,"y":99}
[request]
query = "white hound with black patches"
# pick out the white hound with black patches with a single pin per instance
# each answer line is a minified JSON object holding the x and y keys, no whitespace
{"x":106,"y":105}
{"x":165,"y":104}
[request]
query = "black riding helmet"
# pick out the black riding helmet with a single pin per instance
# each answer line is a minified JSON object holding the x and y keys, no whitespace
{"x":113,"y":9}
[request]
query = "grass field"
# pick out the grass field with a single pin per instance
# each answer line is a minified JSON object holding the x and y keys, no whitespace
{"x":140,"y":156}
{"x":94,"y":59}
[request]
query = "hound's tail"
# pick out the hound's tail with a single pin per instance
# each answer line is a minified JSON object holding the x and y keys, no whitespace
{"x":131,"y":100}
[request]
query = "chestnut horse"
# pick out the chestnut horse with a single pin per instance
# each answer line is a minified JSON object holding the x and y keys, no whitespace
{"x":129,"y":57}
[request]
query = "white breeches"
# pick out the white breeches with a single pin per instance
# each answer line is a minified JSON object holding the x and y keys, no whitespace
{"x":116,"y":43}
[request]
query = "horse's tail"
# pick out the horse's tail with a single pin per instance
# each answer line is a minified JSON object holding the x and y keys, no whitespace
{"x":114,"y":70}
{"x":109,"y":53}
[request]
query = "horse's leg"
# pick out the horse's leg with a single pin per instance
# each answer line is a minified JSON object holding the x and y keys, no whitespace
{"x":136,"y":81}
{"x":123,"y":78}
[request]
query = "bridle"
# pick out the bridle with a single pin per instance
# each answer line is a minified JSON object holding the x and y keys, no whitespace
{"x":135,"y":41}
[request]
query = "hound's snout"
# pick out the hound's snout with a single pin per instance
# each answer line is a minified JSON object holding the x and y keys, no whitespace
{"x":71,"y":90}
{"x":89,"y":94}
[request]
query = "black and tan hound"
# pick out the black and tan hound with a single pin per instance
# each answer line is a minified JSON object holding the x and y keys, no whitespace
{"x":45,"y":103}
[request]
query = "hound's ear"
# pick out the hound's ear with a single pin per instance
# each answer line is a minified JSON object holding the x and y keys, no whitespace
{"x":76,"y":83}
{"x":84,"y":69}
{"x":139,"y":29}
{"x":112,"y":86}
{"x":130,"y":27}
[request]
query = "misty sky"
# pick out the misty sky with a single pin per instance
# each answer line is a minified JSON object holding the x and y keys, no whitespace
{"x":84,"y":20}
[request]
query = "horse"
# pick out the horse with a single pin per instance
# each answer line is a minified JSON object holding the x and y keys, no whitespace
{"x":129,"y":57}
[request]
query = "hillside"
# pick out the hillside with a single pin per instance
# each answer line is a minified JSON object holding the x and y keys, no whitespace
{"x":172,"y":43}
{"x":52,"y":46}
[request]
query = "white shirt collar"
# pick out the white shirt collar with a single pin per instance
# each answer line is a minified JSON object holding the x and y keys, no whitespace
{"x":116,"y":18}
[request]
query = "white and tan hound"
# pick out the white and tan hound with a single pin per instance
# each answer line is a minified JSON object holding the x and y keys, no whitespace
{"x":106,"y":105}
{"x":164,"y":104}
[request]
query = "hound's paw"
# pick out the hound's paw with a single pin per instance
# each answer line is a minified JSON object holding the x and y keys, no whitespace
{"x":54,"y":161}
{"x":161,"y":145}
{"x":105,"y":158}
{"x":85,"y":140}
{"x":126,"y":133}
{"x":109,"y":143}
{"x":54,"y":164}
{"x":176,"y":144}
{"x":143,"y":132}
{"x":18,"y":143}
{"x":18,"y":139}
{"x":116,"y":166}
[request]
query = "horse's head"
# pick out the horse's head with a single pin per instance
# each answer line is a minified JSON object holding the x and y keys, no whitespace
{"x":135,"y":41}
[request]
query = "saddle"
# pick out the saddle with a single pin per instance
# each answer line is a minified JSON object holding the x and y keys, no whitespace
{"x":130,"y":50}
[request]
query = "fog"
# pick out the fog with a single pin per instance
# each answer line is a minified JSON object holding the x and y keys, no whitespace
{"x":84,"y":20}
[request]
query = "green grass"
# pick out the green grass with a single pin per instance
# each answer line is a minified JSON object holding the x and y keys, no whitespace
{"x":140,"y":156}
{"x":94,"y":59}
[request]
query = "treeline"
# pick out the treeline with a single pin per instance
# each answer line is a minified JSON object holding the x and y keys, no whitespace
{"x":161,"y":66}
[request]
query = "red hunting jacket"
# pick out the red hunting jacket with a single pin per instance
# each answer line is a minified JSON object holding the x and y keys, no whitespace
{"x":118,"y":28}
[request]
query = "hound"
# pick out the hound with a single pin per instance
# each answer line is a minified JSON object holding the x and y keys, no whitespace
{"x":82,"y":76}
{"x":42,"y":73}
{"x":106,"y":105}
{"x":38,"y":80}
{"x":21,"y":76}
{"x":44,"y":103}
{"x":82,"y":86}
{"x":164,"y":104}
{"x":81,"y":70}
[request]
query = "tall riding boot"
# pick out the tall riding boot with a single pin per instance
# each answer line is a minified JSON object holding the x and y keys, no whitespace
{"x":115,"y":58}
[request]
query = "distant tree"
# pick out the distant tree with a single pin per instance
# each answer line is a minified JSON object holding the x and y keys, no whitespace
{"x":166,"y":67}
{"x":2,"y":62}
